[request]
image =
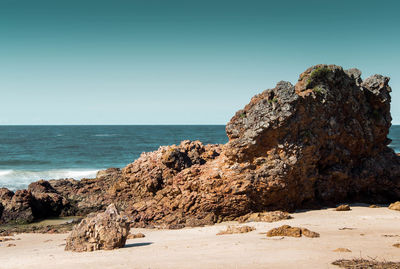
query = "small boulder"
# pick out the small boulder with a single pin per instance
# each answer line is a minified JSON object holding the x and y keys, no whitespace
{"x":134,"y":236}
{"x":397,"y":245}
{"x":395,"y":206}
{"x":286,"y":230}
{"x":342,"y":250}
{"x":5,"y":239}
{"x":107,"y":230}
{"x":343,"y":208}
{"x":237,"y":230}
{"x":265,"y":216}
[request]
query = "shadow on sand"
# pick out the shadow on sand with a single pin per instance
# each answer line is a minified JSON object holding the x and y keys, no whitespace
{"x":137,"y":245}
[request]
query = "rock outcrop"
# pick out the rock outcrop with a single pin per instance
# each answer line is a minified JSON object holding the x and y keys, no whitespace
{"x":320,"y":142}
{"x":107,"y":230}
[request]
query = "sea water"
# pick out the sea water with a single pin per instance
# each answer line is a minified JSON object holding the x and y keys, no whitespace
{"x":30,"y":153}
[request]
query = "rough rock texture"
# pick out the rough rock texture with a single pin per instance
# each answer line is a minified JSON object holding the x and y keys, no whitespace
{"x":366,"y":264}
{"x":107,"y":230}
{"x":286,"y":230}
{"x":320,"y":142}
{"x":16,"y":207}
{"x":395,"y":206}
{"x":46,"y":201}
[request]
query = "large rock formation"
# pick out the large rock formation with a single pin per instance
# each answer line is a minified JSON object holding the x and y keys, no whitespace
{"x":107,"y":230}
{"x":322,"y":141}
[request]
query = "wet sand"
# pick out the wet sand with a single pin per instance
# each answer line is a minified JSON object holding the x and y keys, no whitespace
{"x":368,"y":233}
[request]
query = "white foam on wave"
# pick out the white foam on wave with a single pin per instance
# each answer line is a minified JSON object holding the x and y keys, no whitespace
{"x":104,"y":135}
{"x":5,"y":172}
{"x":20,"y":179}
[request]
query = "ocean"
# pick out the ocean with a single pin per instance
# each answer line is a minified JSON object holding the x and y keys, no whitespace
{"x":30,"y":153}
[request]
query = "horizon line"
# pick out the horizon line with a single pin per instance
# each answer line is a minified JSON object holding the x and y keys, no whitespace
{"x":133,"y":124}
{"x":143,"y":124}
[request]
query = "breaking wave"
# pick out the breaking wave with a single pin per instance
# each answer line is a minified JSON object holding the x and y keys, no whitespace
{"x":20,"y":179}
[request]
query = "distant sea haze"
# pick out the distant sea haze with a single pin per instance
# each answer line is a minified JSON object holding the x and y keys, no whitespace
{"x":30,"y":153}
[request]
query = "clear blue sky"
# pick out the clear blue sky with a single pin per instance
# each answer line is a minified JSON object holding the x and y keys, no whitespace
{"x":178,"y":62}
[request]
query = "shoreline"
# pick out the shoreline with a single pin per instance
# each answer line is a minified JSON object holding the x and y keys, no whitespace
{"x":369,"y":232}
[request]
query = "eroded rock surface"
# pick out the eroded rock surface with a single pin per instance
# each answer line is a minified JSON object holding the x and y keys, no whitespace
{"x":320,"y":142}
{"x":107,"y":230}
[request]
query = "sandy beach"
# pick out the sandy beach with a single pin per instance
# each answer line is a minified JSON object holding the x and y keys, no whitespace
{"x":367,"y":232}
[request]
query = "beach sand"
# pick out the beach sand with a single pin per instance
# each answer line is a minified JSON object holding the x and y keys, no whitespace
{"x":368,"y":233}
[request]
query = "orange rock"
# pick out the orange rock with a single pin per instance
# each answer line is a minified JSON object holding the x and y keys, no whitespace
{"x":343,"y":208}
{"x":395,"y":206}
{"x":342,"y":250}
{"x":237,"y":230}
{"x":265,"y":217}
{"x":137,"y":235}
{"x":286,"y":230}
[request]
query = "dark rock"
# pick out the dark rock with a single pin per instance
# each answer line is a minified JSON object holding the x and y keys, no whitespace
{"x":47,"y":202}
{"x":18,"y":209}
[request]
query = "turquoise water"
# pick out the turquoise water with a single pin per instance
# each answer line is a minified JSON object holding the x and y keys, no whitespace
{"x":394,"y":134}
{"x":30,"y":153}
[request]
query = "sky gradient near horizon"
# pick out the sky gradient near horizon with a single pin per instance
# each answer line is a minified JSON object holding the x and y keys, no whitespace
{"x":178,"y":62}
